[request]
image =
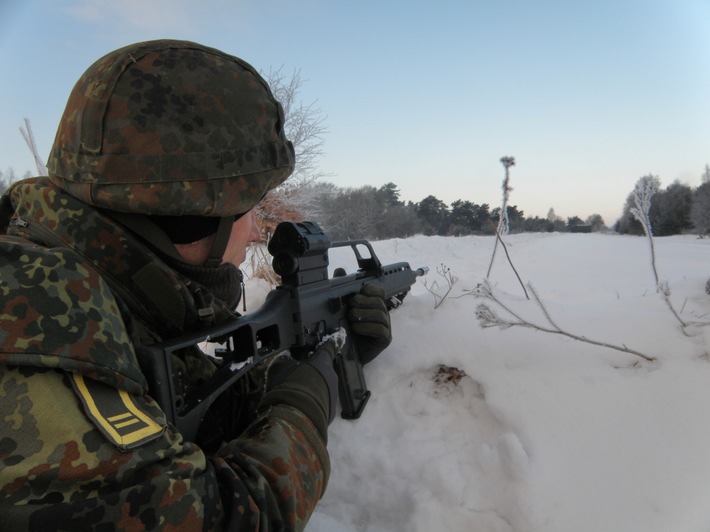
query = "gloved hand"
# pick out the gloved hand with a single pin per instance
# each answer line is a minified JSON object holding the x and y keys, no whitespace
{"x":310,"y":386}
{"x":370,"y":328}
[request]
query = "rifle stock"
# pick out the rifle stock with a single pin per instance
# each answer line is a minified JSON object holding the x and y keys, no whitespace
{"x":295,"y":316}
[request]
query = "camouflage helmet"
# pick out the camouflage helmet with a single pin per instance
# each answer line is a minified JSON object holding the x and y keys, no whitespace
{"x":171,"y":128}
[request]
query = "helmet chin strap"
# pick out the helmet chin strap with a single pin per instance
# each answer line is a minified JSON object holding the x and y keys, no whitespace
{"x":224,"y":231}
{"x":148,"y":230}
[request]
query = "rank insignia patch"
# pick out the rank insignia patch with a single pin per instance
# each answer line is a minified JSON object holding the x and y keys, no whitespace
{"x":116,"y":413}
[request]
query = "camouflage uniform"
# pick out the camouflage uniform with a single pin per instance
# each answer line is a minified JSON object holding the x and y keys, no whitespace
{"x":82,"y":443}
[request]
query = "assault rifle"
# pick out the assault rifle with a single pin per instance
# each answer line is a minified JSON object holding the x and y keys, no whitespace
{"x":295,"y":316}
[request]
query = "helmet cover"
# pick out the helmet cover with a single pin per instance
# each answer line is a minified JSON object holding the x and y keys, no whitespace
{"x":171,"y":128}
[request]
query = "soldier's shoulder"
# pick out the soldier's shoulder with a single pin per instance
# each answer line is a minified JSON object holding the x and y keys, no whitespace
{"x":58,"y":312}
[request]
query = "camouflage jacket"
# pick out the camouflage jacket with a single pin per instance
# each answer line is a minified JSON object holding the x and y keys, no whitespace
{"x":82,"y":444}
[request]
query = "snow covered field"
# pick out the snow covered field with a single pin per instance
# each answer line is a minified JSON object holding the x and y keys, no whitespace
{"x":543,"y":433}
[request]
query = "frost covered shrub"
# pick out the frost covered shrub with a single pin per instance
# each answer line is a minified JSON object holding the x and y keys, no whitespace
{"x":646,"y":187}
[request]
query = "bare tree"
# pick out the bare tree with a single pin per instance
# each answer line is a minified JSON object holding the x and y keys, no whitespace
{"x":313,"y":198}
{"x":4,"y":182}
{"x":596,"y":221}
{"x":354,"y":213}
{"x":305,"y":126}
{"x":9,"y":177}
{"x":700,"y":209}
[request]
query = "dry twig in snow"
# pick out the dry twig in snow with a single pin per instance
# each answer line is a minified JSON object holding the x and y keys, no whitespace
{"x":487,"y":317}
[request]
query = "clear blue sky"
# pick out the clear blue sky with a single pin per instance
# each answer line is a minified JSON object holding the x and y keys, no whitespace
{"x":587,"y":96}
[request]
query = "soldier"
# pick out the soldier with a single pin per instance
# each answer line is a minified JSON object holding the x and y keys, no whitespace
{"x":133,"y":238}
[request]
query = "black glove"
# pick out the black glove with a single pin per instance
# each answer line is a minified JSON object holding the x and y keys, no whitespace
{"x":310,"y":386}
{"x":370,"y":328}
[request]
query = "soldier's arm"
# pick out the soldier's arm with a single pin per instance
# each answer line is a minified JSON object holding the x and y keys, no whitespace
{"x":61,"y":466}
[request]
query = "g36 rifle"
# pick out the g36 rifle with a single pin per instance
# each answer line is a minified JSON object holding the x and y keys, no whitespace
{"x":308,"y":305}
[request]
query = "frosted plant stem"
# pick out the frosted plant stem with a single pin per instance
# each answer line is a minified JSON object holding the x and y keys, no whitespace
{"x":558,"y":330}
{"x":493,"y":256}
{"x":503,"y":222}
{"x":510,"y":261}
{"x":667,"y":299}
{"x":450,"y":279}
{"x":488,"y":318}
{"x":664,"y":290}
{"x":644,"y":191}
{"x":649,"y":234}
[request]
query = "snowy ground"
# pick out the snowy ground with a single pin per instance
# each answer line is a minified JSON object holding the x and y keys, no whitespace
{"x":544,"y":433}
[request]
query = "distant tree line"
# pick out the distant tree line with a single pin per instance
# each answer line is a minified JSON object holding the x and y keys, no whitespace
{"x":379,"y":213}
{"x":674,"y":210}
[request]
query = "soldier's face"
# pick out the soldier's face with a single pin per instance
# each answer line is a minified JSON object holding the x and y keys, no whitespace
{"x":244,"y":231}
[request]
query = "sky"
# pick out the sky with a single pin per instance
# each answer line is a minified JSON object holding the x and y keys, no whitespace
{"x":587,"y":96}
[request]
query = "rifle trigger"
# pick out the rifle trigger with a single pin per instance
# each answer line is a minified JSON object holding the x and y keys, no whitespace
{"x":335,"y":304}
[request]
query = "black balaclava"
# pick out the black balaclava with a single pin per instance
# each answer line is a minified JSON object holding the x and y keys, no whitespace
{"x":224,"y":281}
